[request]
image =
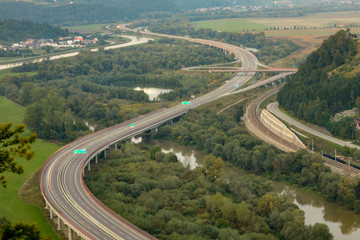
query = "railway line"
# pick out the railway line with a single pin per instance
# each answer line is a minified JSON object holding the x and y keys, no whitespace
{"x":61,"y":178}
{"x":252,"y":115}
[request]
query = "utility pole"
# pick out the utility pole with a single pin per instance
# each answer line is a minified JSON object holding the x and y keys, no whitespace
{"x":312,"y":145}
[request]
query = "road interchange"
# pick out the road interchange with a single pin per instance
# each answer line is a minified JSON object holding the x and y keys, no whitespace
{"x":61,"y":177}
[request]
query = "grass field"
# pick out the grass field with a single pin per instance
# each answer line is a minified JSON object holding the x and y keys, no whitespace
{"x":90,"y":28}
{"x":230,"y":25}
{"x":11,"y":205}
{"x":318,"y":20}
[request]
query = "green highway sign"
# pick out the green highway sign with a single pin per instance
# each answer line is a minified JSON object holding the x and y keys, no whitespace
{"x":132,"y":125}
{"x":76,"y":151}
{"x":185,"y":103}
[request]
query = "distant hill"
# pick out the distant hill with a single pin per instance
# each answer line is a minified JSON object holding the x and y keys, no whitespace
{"x":15,"y":31}
{"x":327,"y":83}
{"x":83,"y":12}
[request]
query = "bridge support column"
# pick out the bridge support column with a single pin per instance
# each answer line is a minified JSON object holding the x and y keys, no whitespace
{"x":96,"y":159}
{"x":105,"y":153}
{"x":115,"y":145}
{"x":70,"y":234}
{"x":47,"y":206}
{"x":171,"y":121}
{"x":83,"y":173}
{"x":51,"y":213}
{"x":59,"y":224}
{"x":89,"y":166}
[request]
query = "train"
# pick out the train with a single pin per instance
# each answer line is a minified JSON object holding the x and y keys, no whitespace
{"x":340,"y":160}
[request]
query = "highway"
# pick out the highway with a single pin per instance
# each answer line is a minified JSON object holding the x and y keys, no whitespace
{"x":255,"y":126}
{"x":274,"y":109}
{"x":61,"y":177}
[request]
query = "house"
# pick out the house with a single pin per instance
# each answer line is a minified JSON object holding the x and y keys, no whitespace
{"x":78,"y":39}
{"x":357,"y":123}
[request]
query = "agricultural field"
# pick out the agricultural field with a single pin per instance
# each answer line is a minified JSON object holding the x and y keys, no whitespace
{"x":230,"y":25}
{"x":90,"y":28}
{"x":318,"y":20}
{"x":310,"y":30}
{"x":11,"y":205}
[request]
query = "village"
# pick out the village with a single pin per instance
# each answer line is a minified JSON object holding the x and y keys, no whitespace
{"x":62,"y":42}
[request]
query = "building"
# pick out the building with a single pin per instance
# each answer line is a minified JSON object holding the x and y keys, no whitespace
{"x":357,"y":123}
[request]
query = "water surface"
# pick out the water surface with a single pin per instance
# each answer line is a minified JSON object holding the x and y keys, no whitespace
{"x":343,"y":224}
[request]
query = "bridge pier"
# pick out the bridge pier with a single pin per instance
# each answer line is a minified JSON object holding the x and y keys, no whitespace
{"x":105,"y":153}
{"x":96,"y":159}
{"x":59,"y":224}
{"x":70,"y":233}
{"x":51,"y":213}
{"x":89,"y":165}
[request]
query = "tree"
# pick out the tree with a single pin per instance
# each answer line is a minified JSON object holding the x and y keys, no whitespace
{"x":268,"y":203}
{"x":320,"y":232}
{"x":213,"y":166}
{"x":358,"y":103}
{"x":25,"y":93}
{"x":13,"y":145}
{"x":21,"y":230}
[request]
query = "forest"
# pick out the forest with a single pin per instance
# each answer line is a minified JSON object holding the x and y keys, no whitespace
{"x":64,"y":13}
{"x":324,"y":85}
{"x":15,"y":31}
{"x":82,"y":13}
{"x":155,"y":192}
{"x":268,"y":50}
{"x":98,"y":86}
{"x":223,"y":135}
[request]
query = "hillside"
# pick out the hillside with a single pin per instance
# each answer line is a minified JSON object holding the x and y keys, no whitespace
{"x":326,"y":83}
{"x":11,"y":205}
{"x":15,"y":31}
{"x":80,"y":12}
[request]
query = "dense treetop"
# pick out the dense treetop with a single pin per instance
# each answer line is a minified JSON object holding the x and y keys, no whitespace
{"x":98,"y":86}
{"x":15,"y":31}
{"x":66,"y":12}
{"x":326,"y":83}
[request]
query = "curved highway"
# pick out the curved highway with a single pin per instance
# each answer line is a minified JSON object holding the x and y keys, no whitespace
{"x":274,"y":109}
{"x":61,"y":177}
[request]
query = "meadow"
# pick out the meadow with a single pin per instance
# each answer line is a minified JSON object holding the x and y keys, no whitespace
{"x":308,"y":24}
{"x":88,"y":28}
{"x":11,"y":205}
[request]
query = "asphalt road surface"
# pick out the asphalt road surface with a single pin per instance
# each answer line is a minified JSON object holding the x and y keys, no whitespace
{"x":274,"y":109}
{"x":61,"y":176}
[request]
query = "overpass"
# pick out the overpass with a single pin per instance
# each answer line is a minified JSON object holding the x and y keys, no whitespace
{"x":233,"y":69}
{"x":61,"y":179}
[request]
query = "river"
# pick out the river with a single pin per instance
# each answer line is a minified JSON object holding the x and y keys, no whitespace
{"x":343,"y":224}
{"x":186,"y":155}
{"x":153,"y":92}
